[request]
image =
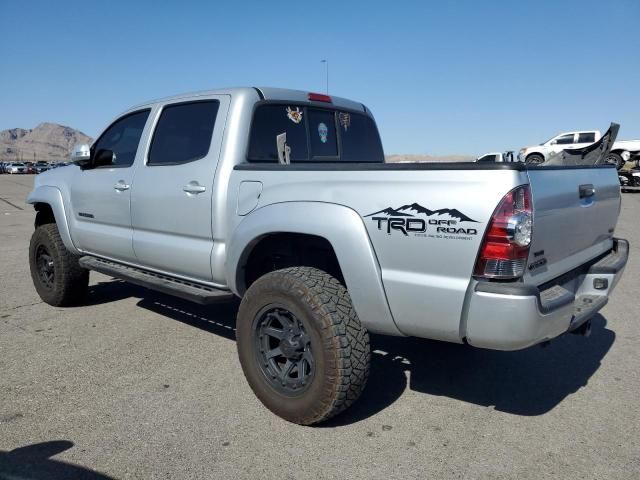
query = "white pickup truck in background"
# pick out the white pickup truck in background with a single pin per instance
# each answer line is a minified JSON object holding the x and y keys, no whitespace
{"x":620,"y":152}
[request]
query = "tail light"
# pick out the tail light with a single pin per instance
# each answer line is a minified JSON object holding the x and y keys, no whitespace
{"x":505,"y":248}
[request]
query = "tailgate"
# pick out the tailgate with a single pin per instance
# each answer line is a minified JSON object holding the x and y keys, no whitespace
{"x":575,"y":211}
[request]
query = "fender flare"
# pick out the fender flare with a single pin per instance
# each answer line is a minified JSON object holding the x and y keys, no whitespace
{"x":53,"y":197}
{"x":344,"y":229}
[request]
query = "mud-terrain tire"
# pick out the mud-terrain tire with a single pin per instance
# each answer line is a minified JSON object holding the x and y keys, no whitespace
{"x":56,"y":274}
{"x":534,"y":159}
{"x":301,"y":345}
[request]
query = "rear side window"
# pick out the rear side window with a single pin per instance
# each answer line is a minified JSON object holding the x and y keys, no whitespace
{"x":269,"y":121}
{"x":587,"y":137}
{"x":183,"y":133}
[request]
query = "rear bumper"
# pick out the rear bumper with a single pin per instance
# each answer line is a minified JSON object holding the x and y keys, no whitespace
{"x":511,"y":316}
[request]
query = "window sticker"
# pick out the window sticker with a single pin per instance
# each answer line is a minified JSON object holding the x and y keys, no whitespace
{"x":345,"y":120}
{"x":294,"y":115}
{"x":323,"y":131}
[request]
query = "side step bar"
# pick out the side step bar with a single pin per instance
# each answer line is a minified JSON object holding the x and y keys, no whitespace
{"x":193,"y":292}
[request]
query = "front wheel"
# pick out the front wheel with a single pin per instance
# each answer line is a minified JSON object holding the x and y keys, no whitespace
{"x":56,"y":274}
{"x":301,"y":346}
{"x":534,"y":159}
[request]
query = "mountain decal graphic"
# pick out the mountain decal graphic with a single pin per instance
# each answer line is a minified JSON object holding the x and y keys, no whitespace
{"x":414,"y":209}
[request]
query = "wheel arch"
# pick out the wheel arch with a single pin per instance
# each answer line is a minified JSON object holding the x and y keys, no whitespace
{"x":337,"y":229}
{"x":535,"y":152}
{"x":48,"y":203}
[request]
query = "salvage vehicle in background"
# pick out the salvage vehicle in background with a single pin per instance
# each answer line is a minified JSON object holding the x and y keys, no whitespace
{"x":283,"y":198}
{"x":577,"y":140}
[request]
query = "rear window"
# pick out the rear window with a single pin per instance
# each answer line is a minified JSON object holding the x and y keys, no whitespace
{"x":183,"y":133}
{"x":269,"y":121}
{"x":314,"y":134}
{"x":322,"y":129}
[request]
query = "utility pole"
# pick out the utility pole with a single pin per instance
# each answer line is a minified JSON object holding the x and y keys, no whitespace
{"x":326,"y":62}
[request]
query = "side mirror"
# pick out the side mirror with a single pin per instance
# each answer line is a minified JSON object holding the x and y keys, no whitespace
{"x":81,"y":155}
{"x":104,"y":158}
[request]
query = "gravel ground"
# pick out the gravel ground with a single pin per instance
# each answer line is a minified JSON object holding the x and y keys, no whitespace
{"x":141,"y":385}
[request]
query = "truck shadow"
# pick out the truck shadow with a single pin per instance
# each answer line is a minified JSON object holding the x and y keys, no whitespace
{"x":33,"y":462}
{"x":527,"y":382}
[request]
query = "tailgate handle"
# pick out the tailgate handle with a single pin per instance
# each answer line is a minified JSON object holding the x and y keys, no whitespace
{"x":587,"y":190}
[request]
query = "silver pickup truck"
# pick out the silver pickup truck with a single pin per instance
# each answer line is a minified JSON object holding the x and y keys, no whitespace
{"x":283,"y":198}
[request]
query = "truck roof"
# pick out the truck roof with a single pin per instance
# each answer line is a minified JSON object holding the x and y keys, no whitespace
{"x":261,"y":93}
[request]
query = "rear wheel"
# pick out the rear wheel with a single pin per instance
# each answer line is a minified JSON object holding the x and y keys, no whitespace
{"x":534,"y":159}
{"x":56,"y":274}
{"x":615,"y":159}
{"x":302,"y":348}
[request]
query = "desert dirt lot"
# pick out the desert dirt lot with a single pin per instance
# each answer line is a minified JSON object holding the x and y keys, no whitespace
{"x":141,"y":385}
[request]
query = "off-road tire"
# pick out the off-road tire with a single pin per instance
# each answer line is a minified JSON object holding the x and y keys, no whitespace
{"x":69,"y":281}
{"x":339,"y":343}
{"x":534,"y":159}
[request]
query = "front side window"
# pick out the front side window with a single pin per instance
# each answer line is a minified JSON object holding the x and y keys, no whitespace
{"x":122,"y":138}
{"x":565,"y":139}
{"x":488,"y":159}
{"x":589,"y":137}
{"x":183,"y":133}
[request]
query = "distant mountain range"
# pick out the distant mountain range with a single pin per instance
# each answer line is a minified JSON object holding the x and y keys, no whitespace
{"x":48,"y":141}
{"x":51,"y":141}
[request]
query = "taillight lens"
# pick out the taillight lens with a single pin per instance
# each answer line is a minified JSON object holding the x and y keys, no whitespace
{"x":505,"y":249}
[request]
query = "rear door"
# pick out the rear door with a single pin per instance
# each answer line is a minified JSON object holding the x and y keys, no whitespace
{"x":584,"y":139}
{"x":171,"y":205}
{"x":575,"y":213}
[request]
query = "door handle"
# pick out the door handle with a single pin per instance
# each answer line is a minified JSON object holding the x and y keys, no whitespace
{"x":194,"y":187}
{"x":121,"y":186}
{"x":587,"y":190}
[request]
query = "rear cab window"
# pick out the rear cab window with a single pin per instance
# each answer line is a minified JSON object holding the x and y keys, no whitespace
{"x":314,"y":134}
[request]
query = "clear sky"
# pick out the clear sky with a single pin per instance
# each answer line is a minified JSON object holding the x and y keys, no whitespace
{"x":458,"y":77}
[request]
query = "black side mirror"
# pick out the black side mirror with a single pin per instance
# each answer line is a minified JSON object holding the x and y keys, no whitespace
{"x":104,"y":158}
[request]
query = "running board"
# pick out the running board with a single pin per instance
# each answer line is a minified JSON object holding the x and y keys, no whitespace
{"x":193,"y":292}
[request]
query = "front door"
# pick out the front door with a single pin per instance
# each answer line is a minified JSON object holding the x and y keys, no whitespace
{"x":100,"y":197}
{"x":171,"y":204}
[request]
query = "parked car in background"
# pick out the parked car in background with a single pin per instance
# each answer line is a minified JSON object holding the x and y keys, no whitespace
{"x":29,"y":167}
{"x":575,"y":140}
{"x":16,"y":167}
{"x":41,"y":166}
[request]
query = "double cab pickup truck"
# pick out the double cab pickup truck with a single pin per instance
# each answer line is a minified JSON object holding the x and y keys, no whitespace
{"x":283,"y":198}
